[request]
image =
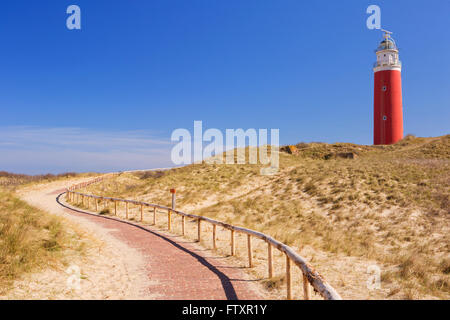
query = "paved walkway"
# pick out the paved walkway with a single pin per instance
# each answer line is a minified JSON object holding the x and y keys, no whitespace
{"x":178,"y":268}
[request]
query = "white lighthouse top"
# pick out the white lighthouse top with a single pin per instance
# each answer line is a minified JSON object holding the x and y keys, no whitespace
{"x":387,"y":54}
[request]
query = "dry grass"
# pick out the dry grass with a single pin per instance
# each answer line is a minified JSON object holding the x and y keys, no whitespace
{"x":389,"y":205}
{"x":30,"y":239}
{"x":14,"y":179}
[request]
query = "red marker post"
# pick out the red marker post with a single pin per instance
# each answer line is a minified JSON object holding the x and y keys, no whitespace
{"x":173,"y":191}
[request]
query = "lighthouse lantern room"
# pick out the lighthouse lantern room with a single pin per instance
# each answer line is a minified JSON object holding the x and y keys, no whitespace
{"x":388,"y":113}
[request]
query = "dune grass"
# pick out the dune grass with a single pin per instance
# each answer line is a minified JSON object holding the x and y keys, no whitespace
{"x":31,"y":240}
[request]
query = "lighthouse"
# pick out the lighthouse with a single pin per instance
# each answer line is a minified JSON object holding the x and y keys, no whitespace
{"x":388,"y":113}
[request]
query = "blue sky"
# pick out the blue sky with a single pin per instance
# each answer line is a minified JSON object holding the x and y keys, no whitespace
{"x":139,"y":69}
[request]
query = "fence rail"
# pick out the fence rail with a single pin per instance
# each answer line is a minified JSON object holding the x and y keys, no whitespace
{"x":310,"y":276}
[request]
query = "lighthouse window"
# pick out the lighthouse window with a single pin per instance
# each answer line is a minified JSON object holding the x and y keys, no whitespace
{"x":384,"y":88}
{"x":384,"y":118}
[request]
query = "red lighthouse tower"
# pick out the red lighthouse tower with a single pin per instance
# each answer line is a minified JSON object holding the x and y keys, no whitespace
{"x":388,"y":113}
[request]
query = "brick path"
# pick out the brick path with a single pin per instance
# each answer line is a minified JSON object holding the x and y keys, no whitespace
{"x":181,"y":269}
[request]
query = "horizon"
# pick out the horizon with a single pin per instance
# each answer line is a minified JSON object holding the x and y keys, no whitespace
{"x":174,"y":165}
{"x":107,"y":97}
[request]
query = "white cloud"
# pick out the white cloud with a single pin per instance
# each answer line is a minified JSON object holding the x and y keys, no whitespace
{"x":40,"y":150}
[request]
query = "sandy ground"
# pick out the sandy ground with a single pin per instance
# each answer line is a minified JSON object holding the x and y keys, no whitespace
{"x":109,"y":269}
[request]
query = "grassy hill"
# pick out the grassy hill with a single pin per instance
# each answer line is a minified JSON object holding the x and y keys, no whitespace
{"x":387,"y":205}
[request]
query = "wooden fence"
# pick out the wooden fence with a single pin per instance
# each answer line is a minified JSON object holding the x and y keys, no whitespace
{"x":310,"y":276}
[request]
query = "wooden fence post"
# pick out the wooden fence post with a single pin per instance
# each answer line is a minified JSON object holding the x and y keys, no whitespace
{"x":154,"y":215}
{"x":172,"y":191}
{"x":288,"y":278}
{"x":115,"y":207}
{"x":269,"y":259}
{"x":214,"y":237}
{"x":306,"y":288}
{"x":183,"y":218}
{"x":249,"y":247}
{"x":232,"y":243}
{"x":96,"y":204}
{"x":169,"y":219}
{"x":126,"y":210}
{"x":199,"y":230}
{"x":142,"y":212}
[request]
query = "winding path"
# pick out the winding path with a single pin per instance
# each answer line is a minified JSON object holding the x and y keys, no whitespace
{"x":176,"y":268}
